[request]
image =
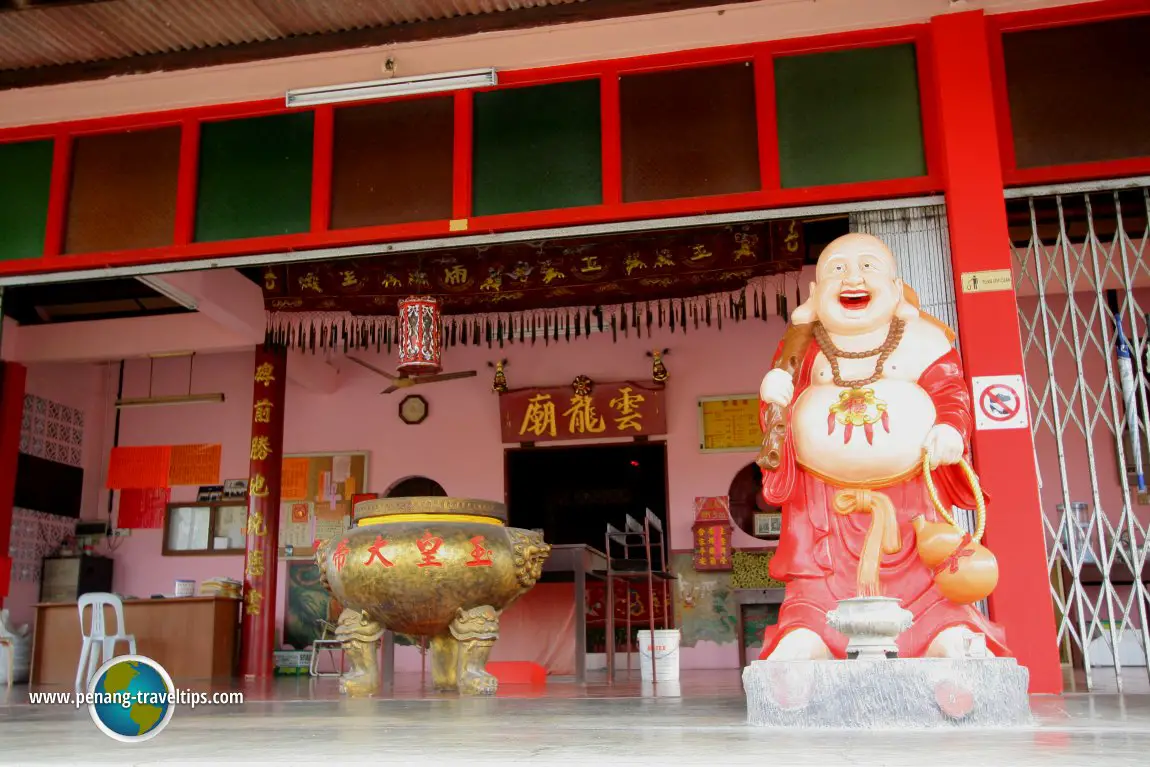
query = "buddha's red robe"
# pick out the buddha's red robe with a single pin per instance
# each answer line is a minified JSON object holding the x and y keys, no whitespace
{"x":818,"y":552}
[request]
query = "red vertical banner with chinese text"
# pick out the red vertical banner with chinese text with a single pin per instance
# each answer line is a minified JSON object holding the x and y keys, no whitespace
{"x":257,"y":635}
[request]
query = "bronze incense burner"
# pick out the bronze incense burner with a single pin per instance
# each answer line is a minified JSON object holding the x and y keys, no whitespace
{"x":443,"y":568}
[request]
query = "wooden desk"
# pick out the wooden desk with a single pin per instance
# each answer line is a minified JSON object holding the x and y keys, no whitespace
{"x":191,"y":637}
{"x":576,"y":562}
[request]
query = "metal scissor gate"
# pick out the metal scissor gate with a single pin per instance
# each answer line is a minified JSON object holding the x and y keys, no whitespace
{"x":1082,"y":276}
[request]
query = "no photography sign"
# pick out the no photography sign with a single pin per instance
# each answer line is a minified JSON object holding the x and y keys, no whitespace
{"x":999,"y":402}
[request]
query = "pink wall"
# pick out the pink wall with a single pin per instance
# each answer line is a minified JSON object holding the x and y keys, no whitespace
{"x":86,"y":387}
{"x":459,"y":444}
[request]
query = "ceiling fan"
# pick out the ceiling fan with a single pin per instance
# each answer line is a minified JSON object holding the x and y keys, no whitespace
{"x":403,"y":381}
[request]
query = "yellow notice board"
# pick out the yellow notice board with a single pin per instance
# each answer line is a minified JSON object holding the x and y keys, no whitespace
{"x":729,"y":424}
{"x":317,"y":492}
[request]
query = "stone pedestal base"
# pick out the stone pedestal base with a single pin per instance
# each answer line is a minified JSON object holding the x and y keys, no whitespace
{"x":885,"y":694}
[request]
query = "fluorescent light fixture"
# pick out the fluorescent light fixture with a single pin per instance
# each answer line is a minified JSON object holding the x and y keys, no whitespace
{"x":392,"y":87}
{"x":177,"y":399}
{"x":157,"y":284}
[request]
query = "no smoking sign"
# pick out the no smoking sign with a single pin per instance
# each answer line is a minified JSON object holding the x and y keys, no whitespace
{"x":999,"y":402}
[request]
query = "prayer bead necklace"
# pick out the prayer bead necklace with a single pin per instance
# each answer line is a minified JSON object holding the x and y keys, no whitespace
{"x":833,"y":353}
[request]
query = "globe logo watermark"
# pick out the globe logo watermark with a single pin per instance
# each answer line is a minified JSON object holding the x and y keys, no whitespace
{"x":131,"y":698}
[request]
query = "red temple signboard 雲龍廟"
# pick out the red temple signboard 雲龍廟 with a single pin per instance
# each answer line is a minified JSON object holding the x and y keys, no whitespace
{"x":627,"y":409}
{"x":712,"y":533}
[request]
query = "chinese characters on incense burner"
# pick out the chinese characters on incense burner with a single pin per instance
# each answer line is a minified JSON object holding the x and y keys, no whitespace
{"x":867,"y":418}
{"x":443,"y":568}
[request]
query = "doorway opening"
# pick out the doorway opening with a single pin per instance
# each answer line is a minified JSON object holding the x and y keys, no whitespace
{"x":573,"y":493}
{"x":416,"y":486}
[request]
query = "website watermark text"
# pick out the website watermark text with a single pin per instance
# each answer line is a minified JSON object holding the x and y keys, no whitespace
{"x":128,"y":699}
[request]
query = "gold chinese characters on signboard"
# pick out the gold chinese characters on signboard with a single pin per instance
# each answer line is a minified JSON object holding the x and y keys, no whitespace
{"x":627,"y":409}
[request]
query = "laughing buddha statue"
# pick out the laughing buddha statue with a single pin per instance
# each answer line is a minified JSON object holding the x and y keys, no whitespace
{"x":867,"y":419}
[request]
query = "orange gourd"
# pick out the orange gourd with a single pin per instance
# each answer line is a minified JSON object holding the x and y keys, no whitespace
{"x":964,"y":570}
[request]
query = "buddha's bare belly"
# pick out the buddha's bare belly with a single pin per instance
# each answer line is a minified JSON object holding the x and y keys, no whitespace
{"x":894,"y":448}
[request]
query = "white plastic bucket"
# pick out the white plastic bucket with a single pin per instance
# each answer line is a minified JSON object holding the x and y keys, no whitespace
{"x":185,"y":588}
{"x":665,"y":649}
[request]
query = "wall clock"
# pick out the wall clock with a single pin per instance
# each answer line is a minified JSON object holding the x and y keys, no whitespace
{"x":413,"y":409}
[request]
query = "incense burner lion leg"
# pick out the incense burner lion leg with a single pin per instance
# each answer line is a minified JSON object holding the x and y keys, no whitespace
{"x":361,"y":636}
{"x":459,"y":657}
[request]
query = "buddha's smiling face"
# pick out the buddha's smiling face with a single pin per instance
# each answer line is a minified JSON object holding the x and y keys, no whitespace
{"x":856,"y":287}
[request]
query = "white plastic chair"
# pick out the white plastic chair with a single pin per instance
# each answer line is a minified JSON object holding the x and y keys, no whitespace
{"x":99,"y":646}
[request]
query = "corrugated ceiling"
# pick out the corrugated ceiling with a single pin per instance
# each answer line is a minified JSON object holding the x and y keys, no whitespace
{"x":119,"y":29}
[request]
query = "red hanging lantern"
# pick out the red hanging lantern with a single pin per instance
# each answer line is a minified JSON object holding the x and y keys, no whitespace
{"x":420,"y":351}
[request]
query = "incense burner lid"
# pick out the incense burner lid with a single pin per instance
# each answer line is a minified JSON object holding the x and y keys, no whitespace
{"x":370,"y":512}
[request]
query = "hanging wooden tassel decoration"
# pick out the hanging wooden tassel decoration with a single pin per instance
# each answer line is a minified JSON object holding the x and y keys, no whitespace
{"x":578,"y":324}
{"x":708,"y":311}
{"x":587,"y":324}
{"x":555,"y":327}
{"x":522,"y":329}
{"x":720,"y":310}
{"x":534,"y":329}
{"x":786,"y":312}
{"x":623,"y":320}
{"x":650,"y":319}
{"x":567,"y":327}
{"x":614,"y":330}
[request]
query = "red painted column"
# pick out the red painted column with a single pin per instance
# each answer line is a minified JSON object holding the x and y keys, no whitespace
{"x":991,"y":345}
{"x":257,"y":633}
{"x":12,"y":379}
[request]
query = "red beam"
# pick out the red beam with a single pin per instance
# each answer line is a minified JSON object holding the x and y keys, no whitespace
{"x":261,"y":558}
{"x":12,"y":380}
{"x":991,"y":345}
{"x":766,"y":113}
{"x":611,"y":138}
{"x":58,"y":198}
{"x":594,"y":214}
{"x":462,"y":153}
{"x":1066,"y":15}
{"x":187,"y":182}
{"x":321,"y":168}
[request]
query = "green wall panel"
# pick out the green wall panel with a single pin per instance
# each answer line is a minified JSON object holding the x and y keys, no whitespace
{"x":849,"y":116}
{"x":25,"y":178}
{"x":255,"y":177}
{"x":537,"y":148}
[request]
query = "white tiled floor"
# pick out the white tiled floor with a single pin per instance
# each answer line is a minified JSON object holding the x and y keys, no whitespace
{"x":701,"y":723}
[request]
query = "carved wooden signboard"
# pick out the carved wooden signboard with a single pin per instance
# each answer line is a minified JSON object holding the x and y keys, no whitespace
{"x":627,"y":409}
